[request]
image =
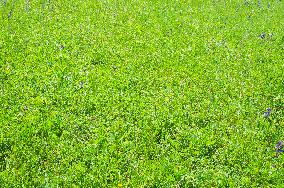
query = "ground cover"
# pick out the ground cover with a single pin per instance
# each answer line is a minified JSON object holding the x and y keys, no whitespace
{"x":141,"y":93}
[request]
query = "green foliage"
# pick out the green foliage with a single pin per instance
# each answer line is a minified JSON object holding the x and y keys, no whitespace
{"x":141,"y":93}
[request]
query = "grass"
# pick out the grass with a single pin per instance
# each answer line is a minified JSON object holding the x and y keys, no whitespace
{"x":141,"y":93}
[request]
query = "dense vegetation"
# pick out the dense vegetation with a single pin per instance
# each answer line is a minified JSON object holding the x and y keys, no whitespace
{"x":140,"y":93}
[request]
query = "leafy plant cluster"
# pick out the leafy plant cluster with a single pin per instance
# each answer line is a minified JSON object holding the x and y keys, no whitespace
{"x":116,"y":93}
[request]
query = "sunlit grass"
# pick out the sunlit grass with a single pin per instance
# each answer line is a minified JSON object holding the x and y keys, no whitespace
{"x":141,"y":93}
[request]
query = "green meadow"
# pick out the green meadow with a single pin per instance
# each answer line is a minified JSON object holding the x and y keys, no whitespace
{"x":141,"y":93}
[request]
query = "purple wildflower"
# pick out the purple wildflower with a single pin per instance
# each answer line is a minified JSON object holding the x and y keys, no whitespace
{"x":278,"y":147}
{"x":81,"y":85}
{"x":262,"y":35}
{"x":267,"y":113}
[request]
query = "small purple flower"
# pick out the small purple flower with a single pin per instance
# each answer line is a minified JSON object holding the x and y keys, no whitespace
{"x":278,"y":147}
{"x":267,"y":113}
{"x":262,"y":36}
{"x":277,"y":153}
{"x":81,"y":85}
